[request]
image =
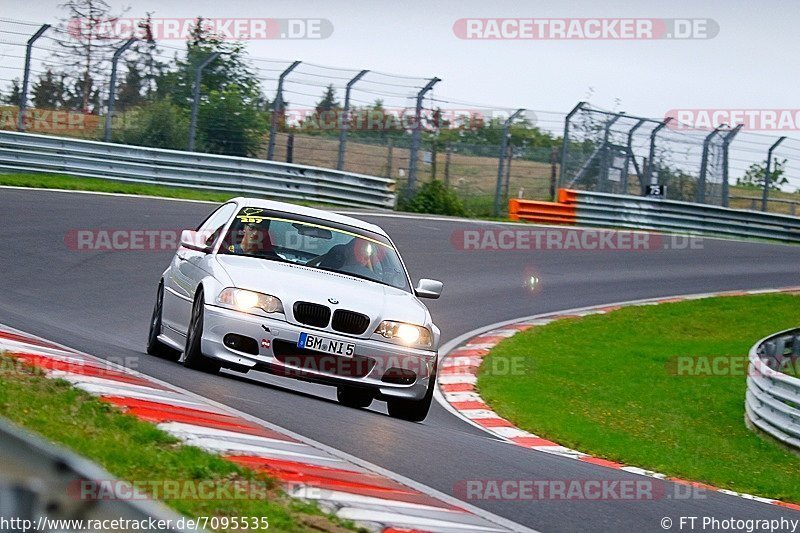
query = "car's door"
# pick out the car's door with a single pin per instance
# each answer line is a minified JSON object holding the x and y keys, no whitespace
{"x":185,"y":272}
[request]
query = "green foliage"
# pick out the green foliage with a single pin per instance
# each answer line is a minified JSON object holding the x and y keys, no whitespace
{"x":477,"y":130}
{"x":754,"y":176}
{"x":433,"y":197}
{"x":231,"y":114}
{"x":228,"y":125}
{"x":161,"y":124}
{"x":680,"y":185}
{"x":129,"y":92}
{"x":229,"y":69}
{"x":328,"y":102}
{"x":48,"y":91}
{"x":14,"y":94}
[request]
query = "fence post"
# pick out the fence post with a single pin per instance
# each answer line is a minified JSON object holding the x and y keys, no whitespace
{"x":631,"y":157}
{"x":198,"y":73}
{"x":651,"y":162}
{"x":565,"y":145}
{"x":448,"y":154}
{"x":553,"y":175}
{"x":507,"y":183}
{"x":23,"y":97}
{"x":768,"y":174}
{"x":700,"y":196}
{"x":389,"y":154}
{"x":434,"y":156}
{"x":112,"y":85}
{"x":277,"y":108}
{"x":416,"y":132}
{"x":726,"y":142}
{"x":498,"y":191}
{"x":290,"y":148}
{"x":602,"y":178}
{"x":345,"y":119}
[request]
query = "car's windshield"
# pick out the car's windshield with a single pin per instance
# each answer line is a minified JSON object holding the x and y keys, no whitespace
{"x":315,"y":243}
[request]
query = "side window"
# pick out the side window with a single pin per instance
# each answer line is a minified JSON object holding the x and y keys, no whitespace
{"x":213,"y":225}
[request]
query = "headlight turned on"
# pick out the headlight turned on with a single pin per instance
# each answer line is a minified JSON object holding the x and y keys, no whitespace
{"x":407,"y":334}
{"x":247,"y":301}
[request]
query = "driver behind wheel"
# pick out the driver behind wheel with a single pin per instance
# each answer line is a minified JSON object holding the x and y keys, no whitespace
{"x":253,"y":239}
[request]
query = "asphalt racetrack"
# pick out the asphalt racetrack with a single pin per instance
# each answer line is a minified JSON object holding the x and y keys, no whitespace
{"x":100,"y":302}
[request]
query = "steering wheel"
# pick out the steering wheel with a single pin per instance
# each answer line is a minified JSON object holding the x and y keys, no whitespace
{"x":333,"y":258}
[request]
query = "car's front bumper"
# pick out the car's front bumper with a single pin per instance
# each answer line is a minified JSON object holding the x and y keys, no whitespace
{"x":219,"y":322}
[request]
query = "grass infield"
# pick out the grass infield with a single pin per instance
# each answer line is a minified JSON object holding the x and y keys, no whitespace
{"x":659,"y":387}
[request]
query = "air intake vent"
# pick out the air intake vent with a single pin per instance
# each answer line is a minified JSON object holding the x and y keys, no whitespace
{"x":312,"y":314}
{"x":350,"y":322}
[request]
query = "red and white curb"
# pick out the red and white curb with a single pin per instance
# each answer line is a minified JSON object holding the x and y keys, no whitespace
{"x":462,"y":357}
{"x":343,"y":485}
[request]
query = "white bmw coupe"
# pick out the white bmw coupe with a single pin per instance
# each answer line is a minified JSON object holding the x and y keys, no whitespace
{"x":302,"y":293}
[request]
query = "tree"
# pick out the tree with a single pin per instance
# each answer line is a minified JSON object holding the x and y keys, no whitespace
{"x":328,"y":102}
{"x":229,"y":69}
{"x":147,"y":52}
{"x":48,"y":91}
{"x":15,"y":94}
{"x":755,"y":174}
{"x":84,"y":46}
{"x":231,"y":112}
{"x":129,"y":92}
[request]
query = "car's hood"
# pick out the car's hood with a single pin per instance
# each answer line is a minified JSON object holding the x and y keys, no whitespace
{"x":292,"y":283}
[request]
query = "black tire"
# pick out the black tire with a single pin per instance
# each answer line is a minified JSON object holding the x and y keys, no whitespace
{"x":353,"y":397}
{"x":155,"y":346}
{"x":413,"y":410}
{"x":194,"y":358}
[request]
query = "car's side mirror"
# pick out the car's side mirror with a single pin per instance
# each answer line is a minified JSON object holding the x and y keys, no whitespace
{"x":195,"y":240}
{"x":429,"y":288}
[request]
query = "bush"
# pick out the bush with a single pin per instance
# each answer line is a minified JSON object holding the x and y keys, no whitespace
{"x":229,"y":124}
{"x":434,"y":198}
{"x":160,"y":124}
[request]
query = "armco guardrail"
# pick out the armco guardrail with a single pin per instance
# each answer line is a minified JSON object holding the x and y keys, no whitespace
{"x":773,"y":398}
{"x":41,"y":485}
{"x":26,"y":152}
{"x":595,"y":209}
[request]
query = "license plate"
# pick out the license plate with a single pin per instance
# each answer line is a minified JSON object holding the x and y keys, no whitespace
{"x":322,"y":344}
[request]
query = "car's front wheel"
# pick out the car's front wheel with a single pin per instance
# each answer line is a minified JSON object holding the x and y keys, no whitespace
{"x":155,"y":346}
{"x":194,"y":357}
{"x":353,"y":397}
{"x":413,"y":410}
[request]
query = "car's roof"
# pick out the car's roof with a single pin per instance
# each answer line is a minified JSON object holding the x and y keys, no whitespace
{"x":309,"y":212}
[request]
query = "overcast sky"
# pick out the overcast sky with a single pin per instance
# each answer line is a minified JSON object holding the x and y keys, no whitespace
{"x":751,"y":63}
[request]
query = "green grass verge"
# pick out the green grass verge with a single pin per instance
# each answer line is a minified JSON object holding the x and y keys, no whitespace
{"x":78,"y":183}
{"x":139,"y":452}
{"x":608,"y":385}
